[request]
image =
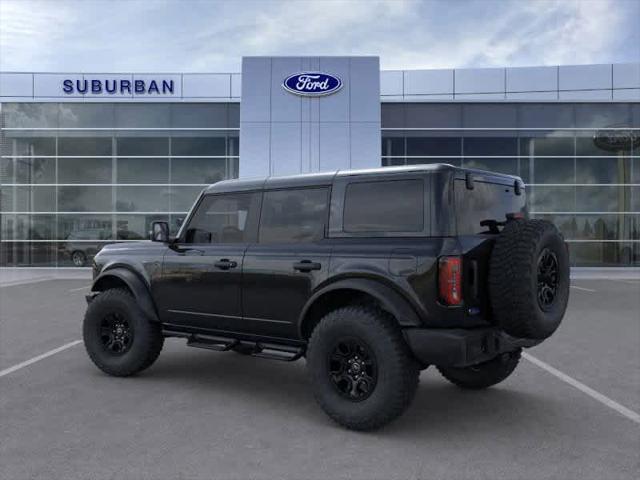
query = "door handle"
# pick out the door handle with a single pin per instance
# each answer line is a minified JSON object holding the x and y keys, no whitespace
{"x":225,"y":264}
{"x":306,"y":266}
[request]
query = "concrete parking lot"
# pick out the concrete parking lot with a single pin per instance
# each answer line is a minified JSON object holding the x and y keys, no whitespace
{"x":569,"y":411}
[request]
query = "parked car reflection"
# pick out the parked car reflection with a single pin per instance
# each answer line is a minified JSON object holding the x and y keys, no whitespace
{"x":82,"y":245}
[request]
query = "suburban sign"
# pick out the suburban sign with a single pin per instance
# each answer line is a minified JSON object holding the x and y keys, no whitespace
{"x":312,"y":84}
{"x":101,"y":86}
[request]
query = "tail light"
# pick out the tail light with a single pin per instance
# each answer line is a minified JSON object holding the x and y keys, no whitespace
{"x":450,"y":280}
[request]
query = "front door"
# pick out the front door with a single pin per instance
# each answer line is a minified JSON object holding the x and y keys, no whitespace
{"x":201,"y":279}
{"x":290,"y":259}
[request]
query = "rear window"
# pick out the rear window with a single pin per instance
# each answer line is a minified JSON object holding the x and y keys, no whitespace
{"x":384,"y":206}
{"x":487,"y":201}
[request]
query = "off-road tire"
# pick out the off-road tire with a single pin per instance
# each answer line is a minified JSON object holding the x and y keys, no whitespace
{"x":483,"y":375}
{"x":147,"y":339}
{"x":397,"y":372}
{"x":514,"y":278}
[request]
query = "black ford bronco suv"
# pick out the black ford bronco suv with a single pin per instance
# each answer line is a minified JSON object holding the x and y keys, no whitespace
{"x":370,"y":275}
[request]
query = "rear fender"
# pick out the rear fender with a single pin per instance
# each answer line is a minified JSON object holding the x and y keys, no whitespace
{"x":389,"y":300}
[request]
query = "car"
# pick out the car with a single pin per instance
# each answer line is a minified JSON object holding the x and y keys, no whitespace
{"x":82,"y":245}
{"x":370,"y":275}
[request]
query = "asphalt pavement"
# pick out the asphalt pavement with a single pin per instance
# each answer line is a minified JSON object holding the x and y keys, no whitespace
{"x":200,"y":414}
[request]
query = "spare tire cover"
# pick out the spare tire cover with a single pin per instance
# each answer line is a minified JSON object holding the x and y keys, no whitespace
{"x":529,"y":278}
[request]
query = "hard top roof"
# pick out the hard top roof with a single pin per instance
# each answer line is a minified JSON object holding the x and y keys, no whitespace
{"x":326,"y":178}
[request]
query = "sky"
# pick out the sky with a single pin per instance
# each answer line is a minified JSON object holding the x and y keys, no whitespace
{"x":212,"y":36}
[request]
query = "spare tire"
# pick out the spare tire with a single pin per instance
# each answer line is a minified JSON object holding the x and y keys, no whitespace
{"x":529,"y":278}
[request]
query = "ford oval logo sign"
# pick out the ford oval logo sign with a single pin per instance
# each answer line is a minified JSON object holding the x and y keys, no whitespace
{"x":312,"y":84}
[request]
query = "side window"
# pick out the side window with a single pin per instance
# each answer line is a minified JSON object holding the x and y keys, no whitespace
{"x":225,"y":218}
{"x":384,"y":206}
{"x":294,"y":216}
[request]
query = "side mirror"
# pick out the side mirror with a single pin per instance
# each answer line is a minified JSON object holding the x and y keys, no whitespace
{"x":160,"y":232}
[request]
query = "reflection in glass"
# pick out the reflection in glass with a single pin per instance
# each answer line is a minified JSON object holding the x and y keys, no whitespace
{"x":85,"y":170}
{"x":142,"y":170}
{"x":136,"y":227}
{"x":198,"y":170}
{"x":142,"y":199}
{"x":84,"y":199}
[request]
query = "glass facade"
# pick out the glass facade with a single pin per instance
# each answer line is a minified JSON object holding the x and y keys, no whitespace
{"x":581,"y":162}
{"x":74,"y":176}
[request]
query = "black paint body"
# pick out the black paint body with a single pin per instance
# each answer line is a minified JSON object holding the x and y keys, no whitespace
{"x":259,"y":293}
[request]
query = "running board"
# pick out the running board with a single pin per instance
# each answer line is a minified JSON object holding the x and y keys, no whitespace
{"x":273,"y":351}
{"x":211,"y":342}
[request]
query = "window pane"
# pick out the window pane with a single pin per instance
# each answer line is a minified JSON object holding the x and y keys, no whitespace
{"x":294,"y":216}
{"x":488,"y":146}
{"x":142,"y":199}
{"x":84,"y":199}
{"x":28,"y":199}
{"x":85,"y":115}
{"x":602,"y":254}
{"x":28,"y":254}
{"x":501,"y":165}
{"x":79,"y":228}
{"x":198,"y":170}
{"x":183,"y":198}
{"x":199,"y":115}
{"x":386,"y":206}
{"x":35,"y":115}
{"x":224,"y":219}
{"x":198,"y":146}
{"x":434,"y":146}
{"x":602,"y":199}
{"x":31,"y":170}
{"x":551,"y":199}
{"x":142,"y":115}
{"x":89,"y":146}
{"x":84,"y":170}
{"x":602,"y":170}
{"x":143,"y":170}
{"x":30,"y":146}
{"x":142,"y":146}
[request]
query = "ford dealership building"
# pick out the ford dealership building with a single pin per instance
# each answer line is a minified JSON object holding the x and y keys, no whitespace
{"x":94,"y":158}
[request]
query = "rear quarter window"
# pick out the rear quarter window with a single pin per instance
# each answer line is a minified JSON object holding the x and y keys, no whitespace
{"x":392,"y":206}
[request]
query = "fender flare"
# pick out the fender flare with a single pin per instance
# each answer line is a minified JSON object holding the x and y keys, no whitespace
{"x":137,"y":286}
{"x":389,"y":299}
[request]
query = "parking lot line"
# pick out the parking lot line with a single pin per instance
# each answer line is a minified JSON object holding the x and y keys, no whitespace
{"x":79,"y":288}
{"x":630,"y":414}
{"x":25,"y":281}
{"x":33,"y":360}
{"x":582,"y":288}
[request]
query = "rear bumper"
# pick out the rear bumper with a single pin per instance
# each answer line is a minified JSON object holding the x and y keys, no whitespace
{"x":461,"y":347}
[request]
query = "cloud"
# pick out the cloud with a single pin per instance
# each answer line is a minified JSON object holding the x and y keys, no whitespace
{"x":166,"y":35}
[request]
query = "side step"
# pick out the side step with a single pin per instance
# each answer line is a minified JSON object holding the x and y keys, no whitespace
{"x":273,"y":351}
{"x":211,"y":342}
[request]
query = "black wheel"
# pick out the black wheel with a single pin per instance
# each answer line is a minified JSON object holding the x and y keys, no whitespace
{"x":362,"y":373}
{"x":483,"y":375}
{"x":78,"y":258}
{"x":118,"y":337}
{"x":529,"y":278}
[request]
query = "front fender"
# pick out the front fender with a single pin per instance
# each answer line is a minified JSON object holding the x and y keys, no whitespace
{"x":134,"y":282}
{"x":389,"y":299}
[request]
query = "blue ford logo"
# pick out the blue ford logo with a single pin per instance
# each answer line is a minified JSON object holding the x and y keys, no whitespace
{"x":312,"y":84}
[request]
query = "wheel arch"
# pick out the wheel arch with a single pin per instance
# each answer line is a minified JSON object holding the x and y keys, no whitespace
{"x":355,"y":290}
{"x":121,"y":277}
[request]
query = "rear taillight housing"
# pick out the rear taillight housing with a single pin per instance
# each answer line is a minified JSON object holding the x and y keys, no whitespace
{"x":450,"y":280}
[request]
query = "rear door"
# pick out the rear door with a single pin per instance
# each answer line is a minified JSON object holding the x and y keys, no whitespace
{"x":201,"y":277}
{"x":290,"y":259}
